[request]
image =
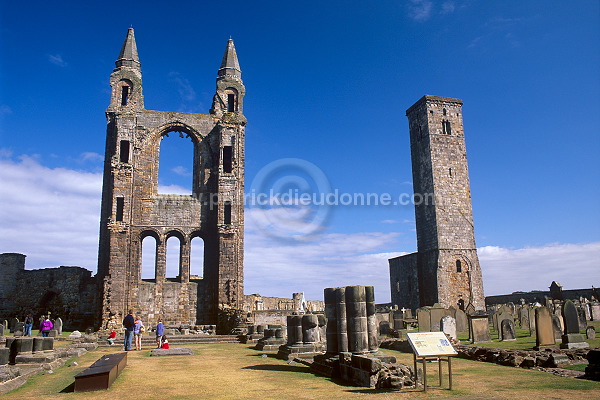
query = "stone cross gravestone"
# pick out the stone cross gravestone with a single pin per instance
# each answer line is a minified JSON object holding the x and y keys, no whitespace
{"x":544,"y":332}
{"x":571,"y":339}
{"x":507,"y":330}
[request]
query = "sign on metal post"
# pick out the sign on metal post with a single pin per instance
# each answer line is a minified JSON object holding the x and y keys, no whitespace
{"x":432,"y":346}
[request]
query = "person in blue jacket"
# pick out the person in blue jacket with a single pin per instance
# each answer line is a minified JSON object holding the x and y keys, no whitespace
{"x":129,"y":324}
{"x":160,"y":330}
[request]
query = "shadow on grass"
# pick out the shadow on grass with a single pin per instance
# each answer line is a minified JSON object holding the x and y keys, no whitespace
{"x":280,"y":368}
{"x":69,"y":389}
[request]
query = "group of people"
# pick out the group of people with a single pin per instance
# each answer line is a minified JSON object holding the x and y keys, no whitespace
{"x":45,"y":325}
{"x":134,"y":329}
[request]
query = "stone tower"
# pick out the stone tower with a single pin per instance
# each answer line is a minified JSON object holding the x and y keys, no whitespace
{"x":445,"y":268}
{"x":132,"y":208}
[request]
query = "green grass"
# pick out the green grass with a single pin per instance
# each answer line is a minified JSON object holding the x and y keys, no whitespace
{"x":576,"y":367}
{"x":234,"y":371}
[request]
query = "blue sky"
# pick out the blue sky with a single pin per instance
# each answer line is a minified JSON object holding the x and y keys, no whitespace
{"x":327,"y":83}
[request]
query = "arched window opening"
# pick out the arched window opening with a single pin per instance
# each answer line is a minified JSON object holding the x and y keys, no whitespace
{"x":176,"y":163}
{"x":230,"y":102}
{"x":458,"y":266}
{"x":124,"y":95}
{"x":148,"y":258}
{"x":227,"y":159}
{"x":446,"y":128}
{"x":173,"y":257}
{"x":196,"y":258}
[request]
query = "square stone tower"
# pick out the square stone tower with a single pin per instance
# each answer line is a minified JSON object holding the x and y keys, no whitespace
{"x":445,"y":268}
{"x":132,"y":208}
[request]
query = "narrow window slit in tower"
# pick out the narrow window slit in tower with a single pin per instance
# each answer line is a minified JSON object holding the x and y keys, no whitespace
{"x":450,"y":171}
{"x":227,"y":213}
{"x":125,"y":95}
{"x":124,"y":151}
{"x":227,"y":159}
{"x":458,"y":266}
{"x":230,"y":102}
{"x":120,"y":206}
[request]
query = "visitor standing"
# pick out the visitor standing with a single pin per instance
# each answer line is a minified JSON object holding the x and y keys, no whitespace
{"x":160,"y":330}
{"x":138,"y":329}
{"x":46,"y":326}
{"x":28,"y":325}
{"x":129,"y":324}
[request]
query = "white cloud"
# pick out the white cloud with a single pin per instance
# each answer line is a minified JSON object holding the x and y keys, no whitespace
{"x":52,"y":216}
{"x":172,"y":189}
{"x":534,"y":268}
{"x":57,"y":59}
{"x":49,"y":214}
{"x":420,"y":10}
{"x":181,"y":171}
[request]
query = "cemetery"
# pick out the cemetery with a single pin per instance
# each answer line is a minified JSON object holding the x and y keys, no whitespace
{"x":439,"y":334}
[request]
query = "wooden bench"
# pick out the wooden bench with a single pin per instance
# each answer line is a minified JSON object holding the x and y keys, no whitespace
{"x":101,"y":374}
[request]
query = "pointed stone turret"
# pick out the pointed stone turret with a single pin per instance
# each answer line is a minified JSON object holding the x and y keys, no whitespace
{"x":229,"y":97}
{"x":126,"y":78}
{"x":230,"y":65}
{"x":129,"y":54}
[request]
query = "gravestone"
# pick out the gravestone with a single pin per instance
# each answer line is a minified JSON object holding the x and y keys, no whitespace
{"x":1,"y":329}
{"x":423,"y":319}
{"x":462,"y":325}
{"x":58,"y":325}
{"x":479,"y":329}
{"x":524,"y":317}
{"x":557,"y":327}
{"x":437,"y":312}
{"x":19,"y":329}
{"x":532,"y":321}
{"x":544,"y":332}
{"x":507,"y":330}
{"x":571,"y":339}
{"x":499,"y":317}
{"x":595,"y":311}
{"x":448,"y":325}
{"x":581,"y":315}
{"x":590,"y":332}
{"x":12,"y":322}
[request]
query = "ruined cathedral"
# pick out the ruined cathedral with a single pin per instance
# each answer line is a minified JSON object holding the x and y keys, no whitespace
{"x":444,"y":270}
{"x":132,"y":208}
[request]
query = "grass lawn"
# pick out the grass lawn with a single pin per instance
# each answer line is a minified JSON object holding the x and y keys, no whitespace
{"x":234,"y":371}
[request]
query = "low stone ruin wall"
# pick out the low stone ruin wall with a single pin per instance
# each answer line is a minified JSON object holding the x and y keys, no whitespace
{"x":545,"y":358}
